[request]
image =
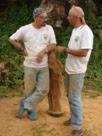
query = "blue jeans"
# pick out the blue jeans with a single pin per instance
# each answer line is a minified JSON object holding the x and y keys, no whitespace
{"x":74,"y":85}
{"x":36,"y":81}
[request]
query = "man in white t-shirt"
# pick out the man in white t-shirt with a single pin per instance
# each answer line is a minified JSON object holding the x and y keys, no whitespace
{"x":38,"y":39}
{"x":79,"y":49}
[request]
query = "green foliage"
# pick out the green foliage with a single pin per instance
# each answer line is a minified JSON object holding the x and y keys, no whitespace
{"x":94,"y":73}
{"x":12,"y":21}
{"x":62,"y":36}
{"x":19,"y":16}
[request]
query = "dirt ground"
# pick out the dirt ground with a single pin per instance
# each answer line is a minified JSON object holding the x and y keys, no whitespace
{"x":47,"y":125}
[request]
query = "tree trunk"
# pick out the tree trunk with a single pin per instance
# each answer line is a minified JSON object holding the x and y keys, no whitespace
{"x":56,"y":85}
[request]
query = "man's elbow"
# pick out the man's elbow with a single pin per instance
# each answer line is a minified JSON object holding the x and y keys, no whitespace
{"x":10,"y":41}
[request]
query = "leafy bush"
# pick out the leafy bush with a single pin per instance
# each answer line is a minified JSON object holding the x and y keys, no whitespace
{"x":12,"y":21}
{"x":19,"y":16}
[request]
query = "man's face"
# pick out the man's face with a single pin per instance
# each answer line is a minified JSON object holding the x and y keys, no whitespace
{"x":42,"y":19}
{"x":72,"y":19}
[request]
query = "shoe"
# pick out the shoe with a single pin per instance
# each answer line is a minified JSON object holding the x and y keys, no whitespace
{"x":21,"y":109}
{"x":77,"y":132}
{"x":67,"y":122}
{"x":32,"y":115}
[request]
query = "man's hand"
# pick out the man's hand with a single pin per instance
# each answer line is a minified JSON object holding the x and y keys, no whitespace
{"x":47,"y":50}
{"x":60,"y":49}
{"x":40,"y":56}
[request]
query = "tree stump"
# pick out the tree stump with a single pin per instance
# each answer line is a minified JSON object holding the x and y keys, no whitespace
{"x":56,"y":84}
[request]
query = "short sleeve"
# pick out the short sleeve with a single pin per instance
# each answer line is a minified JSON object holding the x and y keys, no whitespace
{"x":87,"y":40}
{"x":52,"y":39}
{"x":18,"y":35}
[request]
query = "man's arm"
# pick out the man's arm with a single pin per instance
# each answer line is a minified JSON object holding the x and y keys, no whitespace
{"x":16,"y":44}
{"x":78,"y":53}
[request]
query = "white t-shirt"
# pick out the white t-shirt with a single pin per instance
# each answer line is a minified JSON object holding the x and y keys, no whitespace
{"x":81,"y":38}
{"x":35,"y":40}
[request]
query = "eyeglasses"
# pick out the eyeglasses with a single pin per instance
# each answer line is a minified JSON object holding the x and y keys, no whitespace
{"x":44,"y":17}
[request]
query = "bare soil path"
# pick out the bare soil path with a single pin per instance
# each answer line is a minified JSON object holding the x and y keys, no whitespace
{"x":47,"y":125}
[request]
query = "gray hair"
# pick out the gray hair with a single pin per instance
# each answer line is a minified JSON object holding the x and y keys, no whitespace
{"x":38,"y":11}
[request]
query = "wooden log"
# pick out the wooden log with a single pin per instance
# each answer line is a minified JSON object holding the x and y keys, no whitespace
{"x":56,"y":84}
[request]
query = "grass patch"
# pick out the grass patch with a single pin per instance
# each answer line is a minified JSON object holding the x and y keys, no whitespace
{"x":92,"y":93}
{"x":6,"y":92}
{"x":92,"y":88}
{"x":93,"y":85}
